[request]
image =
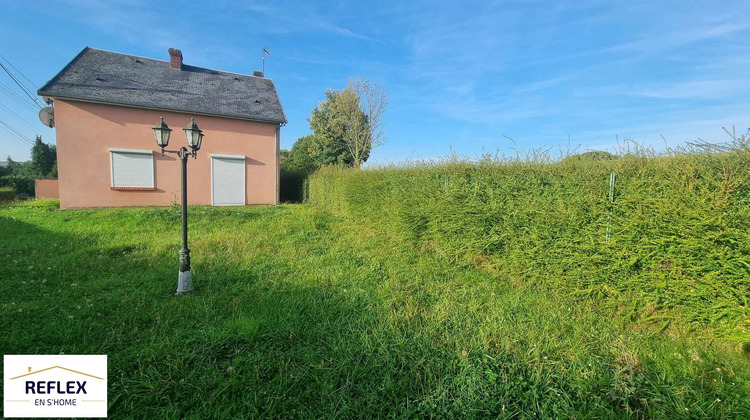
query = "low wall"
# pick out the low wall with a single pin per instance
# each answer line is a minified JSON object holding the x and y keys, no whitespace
{"x":46,"y":188}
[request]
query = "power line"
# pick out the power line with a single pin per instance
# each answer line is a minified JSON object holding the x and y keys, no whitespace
{"x":10,"y":91}
{"x":19,"y":71}
{"x":15,"y":97}
{"x":25,"y":105}
{"x":15,"y":79}
{"x":18,"y":117}
{"x":17,"y":133}
{"x":18,"y":98}
{"x":20,"y":85}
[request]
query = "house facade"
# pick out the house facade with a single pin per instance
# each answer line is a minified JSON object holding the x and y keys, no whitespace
{"x":105,"y":104}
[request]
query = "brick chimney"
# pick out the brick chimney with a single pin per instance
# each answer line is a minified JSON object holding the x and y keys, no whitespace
{"x":175,"y":59}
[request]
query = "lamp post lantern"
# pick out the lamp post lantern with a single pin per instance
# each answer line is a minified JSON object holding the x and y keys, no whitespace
{"x":194,"y":137}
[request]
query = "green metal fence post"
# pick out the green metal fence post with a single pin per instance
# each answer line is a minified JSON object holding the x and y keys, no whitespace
{"x":612,"y":178}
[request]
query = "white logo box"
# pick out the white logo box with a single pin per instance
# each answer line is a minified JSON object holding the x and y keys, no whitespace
{"x":55,"y":386}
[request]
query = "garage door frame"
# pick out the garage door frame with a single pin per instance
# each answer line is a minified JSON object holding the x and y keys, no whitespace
{"x":244,"y":177}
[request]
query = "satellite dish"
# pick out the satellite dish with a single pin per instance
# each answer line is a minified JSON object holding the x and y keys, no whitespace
{"x":47,"y":116}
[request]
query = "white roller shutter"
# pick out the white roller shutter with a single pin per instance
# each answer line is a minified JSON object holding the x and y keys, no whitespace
{"x":228,"y":180}
{"x":132,"y":168}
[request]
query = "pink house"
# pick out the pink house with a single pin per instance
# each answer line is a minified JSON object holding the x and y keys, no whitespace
{"x":105,"y":104}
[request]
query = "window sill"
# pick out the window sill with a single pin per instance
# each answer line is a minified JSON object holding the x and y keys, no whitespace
{"x":132,"y":188}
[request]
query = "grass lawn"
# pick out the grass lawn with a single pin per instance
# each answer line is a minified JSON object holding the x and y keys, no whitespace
{"x":298,"y":313}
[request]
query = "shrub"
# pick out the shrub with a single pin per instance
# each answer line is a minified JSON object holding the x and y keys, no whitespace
{"x":592,"y":155}
{"x":290,"y":186}
{"x":7,"y":194}
{"x":20,"y":184}
{"x":39,"y":203}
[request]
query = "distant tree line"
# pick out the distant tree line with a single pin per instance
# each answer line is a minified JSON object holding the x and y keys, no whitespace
{"x":346,"y":126}
{"x":20,"y":175}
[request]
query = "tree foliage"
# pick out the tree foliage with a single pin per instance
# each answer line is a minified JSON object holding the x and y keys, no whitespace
{"x":5,"y":170}
{"x":363,"y":107}
{"x":43,"y":157}
{"x":283,"y":154}
{"x":348,"y":124}
{"x":20,"y":175}
{"x":299,"y":158}
{"x":329,"y":126}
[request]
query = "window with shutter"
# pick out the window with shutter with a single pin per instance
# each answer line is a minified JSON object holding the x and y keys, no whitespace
{"x":228,"y":180}
{"x":132,"y":169}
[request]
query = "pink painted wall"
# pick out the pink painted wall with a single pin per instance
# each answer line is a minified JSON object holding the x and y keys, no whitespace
{"x":86,"y":131}
{"x":46,"y":188}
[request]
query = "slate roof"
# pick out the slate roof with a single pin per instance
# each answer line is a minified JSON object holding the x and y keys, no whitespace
{"x":114,"y":78}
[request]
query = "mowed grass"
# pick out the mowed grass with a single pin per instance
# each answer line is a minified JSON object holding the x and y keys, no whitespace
{"x":299,"y":313}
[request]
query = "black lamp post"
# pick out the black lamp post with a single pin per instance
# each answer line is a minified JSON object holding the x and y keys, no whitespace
{"x":194,"y":137}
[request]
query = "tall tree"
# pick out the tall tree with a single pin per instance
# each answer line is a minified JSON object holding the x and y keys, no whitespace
{"x":348,"y":124}
{"x":283,"y":154}
{"x":6,"y":169}
{"x":299,"y":159}
{"x":43,"y":157}
{"x":363,"y":106}
{"x":11,"y":164}
{"x":327,"y":147}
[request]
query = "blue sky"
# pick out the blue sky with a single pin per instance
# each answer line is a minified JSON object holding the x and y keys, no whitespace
{"x":460,"y":76}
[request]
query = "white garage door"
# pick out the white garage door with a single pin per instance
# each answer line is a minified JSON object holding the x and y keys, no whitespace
{"x":228,"y":180}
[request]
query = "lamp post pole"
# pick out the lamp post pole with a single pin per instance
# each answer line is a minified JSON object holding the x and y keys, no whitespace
{"x":194,"y":136}
{"x":185,"y":278}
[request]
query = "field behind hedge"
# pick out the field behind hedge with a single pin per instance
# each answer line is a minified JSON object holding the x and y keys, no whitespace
{"x":677,"y":259}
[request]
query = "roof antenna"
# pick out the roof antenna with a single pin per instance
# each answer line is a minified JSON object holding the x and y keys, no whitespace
{"x":264,"y":53}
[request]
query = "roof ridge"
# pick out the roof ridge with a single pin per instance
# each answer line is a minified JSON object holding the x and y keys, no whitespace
{"x":167,"y":61}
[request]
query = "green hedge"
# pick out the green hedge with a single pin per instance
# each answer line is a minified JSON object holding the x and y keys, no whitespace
{"x":679,"y":226}
{"x":291,"y":186}
{"x":21,"y":185}
{"x":7,"y":194}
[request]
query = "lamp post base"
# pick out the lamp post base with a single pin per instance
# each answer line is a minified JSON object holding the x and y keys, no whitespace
{"x":184,"y":282}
